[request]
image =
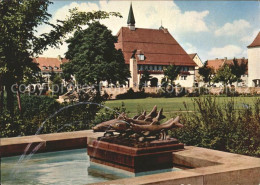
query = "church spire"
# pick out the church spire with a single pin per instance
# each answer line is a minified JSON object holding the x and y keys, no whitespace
{"x":131,"y":18}
{"x":161,"y":27}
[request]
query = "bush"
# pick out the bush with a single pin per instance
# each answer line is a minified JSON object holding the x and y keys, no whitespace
{"x":55,"y":116}
{"x":198,"y":92}
{"x":108,"y":114}
{"x":130,"y":94}
{"x":221,"y":126}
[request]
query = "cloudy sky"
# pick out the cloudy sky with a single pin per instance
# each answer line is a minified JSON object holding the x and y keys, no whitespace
{"x":214,"y":29}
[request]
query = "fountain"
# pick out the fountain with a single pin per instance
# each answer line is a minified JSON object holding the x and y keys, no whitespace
{"x":139,"y":144}
{"x":136,"y":144}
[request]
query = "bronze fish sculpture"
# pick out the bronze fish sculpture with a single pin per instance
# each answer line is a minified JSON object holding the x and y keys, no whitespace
{"x":138,"y":119}
{"x":154,"y":128}
{"x":104,"y":126}
{"x":121,"y":126}
{"x":140,"y":126}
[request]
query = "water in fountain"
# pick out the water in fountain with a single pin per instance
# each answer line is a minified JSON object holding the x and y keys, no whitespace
{"x":25,"y":157}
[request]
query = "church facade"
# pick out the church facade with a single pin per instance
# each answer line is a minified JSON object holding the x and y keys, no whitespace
{"x":153,"y":50}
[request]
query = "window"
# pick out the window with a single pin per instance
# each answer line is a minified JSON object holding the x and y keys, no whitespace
{"x":150,"y":68}
{"x":146,"y":67}
{"x":155,"y":68}
{"x":44,"y":67}
{"x":141,"y":68}
{"x":160,"y":68}
{"x":50,"y":68}
{"x":56,"y":68}
{"x":141,"y":57}
{"x":183,"y":77}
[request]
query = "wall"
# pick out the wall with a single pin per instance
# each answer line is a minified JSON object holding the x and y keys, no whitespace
{"x":240,"y":90}
{"x":213,"y":90}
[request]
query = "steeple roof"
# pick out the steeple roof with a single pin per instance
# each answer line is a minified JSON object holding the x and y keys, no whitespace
{"x":256,"y":42}
{"x":131,"y":17}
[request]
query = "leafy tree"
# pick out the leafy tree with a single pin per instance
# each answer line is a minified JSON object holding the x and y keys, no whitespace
{"x":94,"y":58}
{"x":206,"y":72}
{"x":154,"y":82}
{"x":238,"y":69}
{"x":19,"y":41}
{"x":52,"y":75}
{"x":56,"y":84}
{"x":225,"y":75}
{"x":145,"y":78}
{"x":171,"y":72}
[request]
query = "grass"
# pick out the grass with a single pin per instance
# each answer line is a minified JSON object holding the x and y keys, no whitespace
{"x":170,"y":106}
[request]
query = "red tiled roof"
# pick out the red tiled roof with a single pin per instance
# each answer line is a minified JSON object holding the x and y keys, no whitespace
{"x":218,"y":63}
{"x":64,"y":60}
{"x":158,"y":47}
{"x":50,"y":62}
{"x":215,"y":64}
{"x":192,"y":55}
{"x":256,"y":42}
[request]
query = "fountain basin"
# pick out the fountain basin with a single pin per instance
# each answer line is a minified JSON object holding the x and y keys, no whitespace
{"x":135,"y":159}
{"x":208,"y":166}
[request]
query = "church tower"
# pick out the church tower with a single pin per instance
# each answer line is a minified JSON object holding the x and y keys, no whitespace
{"x":131,"y":19}
{"x":254,"y":62}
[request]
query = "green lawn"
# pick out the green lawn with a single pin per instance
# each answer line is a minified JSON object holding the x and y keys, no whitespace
{"x":170,"y":105}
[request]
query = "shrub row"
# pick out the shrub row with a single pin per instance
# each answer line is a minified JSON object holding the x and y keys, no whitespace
{"x":131,"y":94}
{"x":57,"y":117}
{"x":221,"y":126}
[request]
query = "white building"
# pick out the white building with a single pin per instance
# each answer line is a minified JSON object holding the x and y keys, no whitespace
{"x":198,"y":79}
{"x":254,"y":63}
{"x":155,"y":50}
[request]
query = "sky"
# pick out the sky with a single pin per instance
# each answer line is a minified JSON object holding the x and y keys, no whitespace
{"x":213,"y":29}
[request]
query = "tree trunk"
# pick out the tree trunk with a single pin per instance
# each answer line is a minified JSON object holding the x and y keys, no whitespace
{"x":1,"y":97}
{"x":98,"y":95}
{"x":98,"y":88}
{"x":18,"y":95}
{"x":10,"y":99}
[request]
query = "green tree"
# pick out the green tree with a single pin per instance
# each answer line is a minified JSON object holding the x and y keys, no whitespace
{"x":171,"y":72}
{"x":19,"y":41}
{"x":238,"y":69}
{"x":225,"y":75}
{"x":145,"y":78}
{"x":206,"y":72}
{"x":94,"y":58}
{"x":56,"y":84}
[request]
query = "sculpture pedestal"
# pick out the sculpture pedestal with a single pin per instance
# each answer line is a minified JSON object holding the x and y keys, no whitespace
{"x":157,"y":156}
